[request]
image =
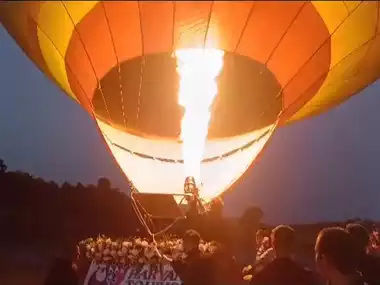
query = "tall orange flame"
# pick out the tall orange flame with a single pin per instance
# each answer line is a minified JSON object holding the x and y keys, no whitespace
{"x":198,"y":70}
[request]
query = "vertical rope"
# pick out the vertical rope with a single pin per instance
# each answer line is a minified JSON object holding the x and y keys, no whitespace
{"x":142,"y":67}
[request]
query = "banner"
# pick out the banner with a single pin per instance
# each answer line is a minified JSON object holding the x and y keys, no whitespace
{"x":102,"y":274}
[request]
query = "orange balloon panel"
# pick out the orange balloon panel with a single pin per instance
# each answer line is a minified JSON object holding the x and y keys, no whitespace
{"x":284,"y":60}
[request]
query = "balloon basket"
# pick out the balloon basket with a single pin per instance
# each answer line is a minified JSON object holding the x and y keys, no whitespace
{"x":159,"y":212}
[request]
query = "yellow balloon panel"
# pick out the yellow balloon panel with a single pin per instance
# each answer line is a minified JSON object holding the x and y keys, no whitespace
{"x":59,"y":16}
{"x":351,"y":44}
{"x":21,"y":20}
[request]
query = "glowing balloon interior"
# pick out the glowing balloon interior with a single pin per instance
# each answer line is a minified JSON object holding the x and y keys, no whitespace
{"x":160,"y":77}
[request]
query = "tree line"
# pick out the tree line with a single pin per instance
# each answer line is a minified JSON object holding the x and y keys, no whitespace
{"x":32,"y":209}
{"x":35,"y":210}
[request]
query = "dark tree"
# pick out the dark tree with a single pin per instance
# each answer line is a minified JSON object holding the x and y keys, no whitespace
{"x":80,"y":186}
{"x":3,"y":167}
{"x":53,"y":185}
{"x":104,"y":183}
{"x":66,"y":185}
{"x":41,"y":211}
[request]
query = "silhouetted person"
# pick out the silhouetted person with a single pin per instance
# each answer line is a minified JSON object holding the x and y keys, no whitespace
{"x":337,"y":257}
{"x":283,"y":269}
{"x":196,"y":268}
{"x":249,"y":223}
{"x":63,"y":270}
{"x":226,"y":270}
{"x":194,"y":219}
{"x":369,"y":265}
{"x":214,"y":224}
{"x":61,"y":273}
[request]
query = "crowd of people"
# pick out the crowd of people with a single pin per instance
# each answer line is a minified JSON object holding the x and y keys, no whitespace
{"x":343,"y":256}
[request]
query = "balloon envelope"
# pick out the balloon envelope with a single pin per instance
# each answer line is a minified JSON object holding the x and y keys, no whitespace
{"x":283,"y":61}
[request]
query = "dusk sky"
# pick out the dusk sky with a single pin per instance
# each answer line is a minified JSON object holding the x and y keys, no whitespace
{"x":326,"y":168}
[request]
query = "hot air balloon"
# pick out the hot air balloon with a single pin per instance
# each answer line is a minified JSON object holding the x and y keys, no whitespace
{"x":278,"y":62}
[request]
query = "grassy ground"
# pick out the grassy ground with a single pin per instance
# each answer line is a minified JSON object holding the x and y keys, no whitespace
{"x":21,"y":275}
{"x":23,"y":265}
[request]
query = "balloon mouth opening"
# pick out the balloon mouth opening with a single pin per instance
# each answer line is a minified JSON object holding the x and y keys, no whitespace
{"x":156,"y":166}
